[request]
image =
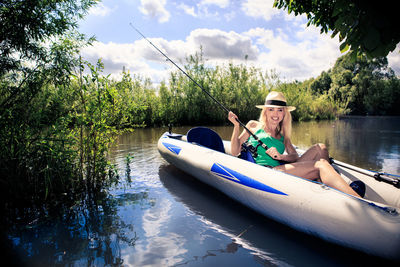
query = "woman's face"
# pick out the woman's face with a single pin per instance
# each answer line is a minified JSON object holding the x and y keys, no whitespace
{"x":274,"y":115}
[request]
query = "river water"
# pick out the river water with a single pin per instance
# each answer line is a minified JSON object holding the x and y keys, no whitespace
{"x":164,"y":217}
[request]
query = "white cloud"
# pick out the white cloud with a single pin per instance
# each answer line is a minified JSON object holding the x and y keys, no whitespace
{"x":138,"y":57}
{"x":294,"y":50}
{"x":116,"y":57}
{"x":307,"y":57}
{"x":394,"y":60}
{"x":303,"y":59}
{"x":101,"y":10}
{"x":175,"y":50}
{"x":206,"y":9}
{"x":230,"y":16}
{"x":218,"y":44}
{"x":260,"y":9}
{"x":219,"y":3}
{"x":187,"y":9}
{"x":155,"y":9}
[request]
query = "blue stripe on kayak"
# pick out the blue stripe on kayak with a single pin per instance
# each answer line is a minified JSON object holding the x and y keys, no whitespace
{"x":173,"y":148}
{"x":239,"y":178}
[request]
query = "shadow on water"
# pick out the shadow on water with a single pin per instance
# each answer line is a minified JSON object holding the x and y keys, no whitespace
{"x":270,"y":243}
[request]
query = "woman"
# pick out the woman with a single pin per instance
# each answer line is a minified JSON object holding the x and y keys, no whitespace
{"x":273,"y":129}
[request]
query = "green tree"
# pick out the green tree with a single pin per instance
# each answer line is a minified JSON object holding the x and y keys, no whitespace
{"x":364,"y":27}
{"x":137,"y":98}
{"x":364,"y":86}
{"x":26,"y":25}
{"x":383,"y":97}
{"x":321,"y":84}
{"x":38,"y":55}
{"x":309,"y":106}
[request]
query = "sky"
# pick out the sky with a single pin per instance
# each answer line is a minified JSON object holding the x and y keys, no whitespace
{"x":249,"y":32}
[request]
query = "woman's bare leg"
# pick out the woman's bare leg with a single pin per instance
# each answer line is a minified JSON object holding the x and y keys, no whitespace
{"x":320,"y":169}
{"x":315,"y":153}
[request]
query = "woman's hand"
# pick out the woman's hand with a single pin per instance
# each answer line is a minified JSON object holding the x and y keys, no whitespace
{"x":273,"y":153}
{"x":233,"y":118}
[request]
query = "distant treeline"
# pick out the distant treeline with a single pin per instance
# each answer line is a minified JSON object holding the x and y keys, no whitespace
{"x":349,"y":88}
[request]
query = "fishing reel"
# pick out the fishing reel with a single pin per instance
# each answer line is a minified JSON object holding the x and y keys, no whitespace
{"x":249,"y":147}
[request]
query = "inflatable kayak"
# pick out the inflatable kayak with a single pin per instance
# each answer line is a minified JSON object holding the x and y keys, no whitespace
{"x":370,"y":224}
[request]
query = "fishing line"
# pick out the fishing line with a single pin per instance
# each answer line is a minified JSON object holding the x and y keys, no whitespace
{"x":187,"y":75}
{"x":201,"y":87}
{"x":244,"y":231}
{"x":378,"y":176}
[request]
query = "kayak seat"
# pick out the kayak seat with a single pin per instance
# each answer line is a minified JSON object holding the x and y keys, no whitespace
{"x":206,"y":137}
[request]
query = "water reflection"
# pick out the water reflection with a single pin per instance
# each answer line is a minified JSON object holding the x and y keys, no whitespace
{"x":86,"y":235}
{"x":228,"y":218}
{"x":368,"y":142}
{"x":251,"y":239}
{"x":208,"y":215}
{"x":158,"y":246}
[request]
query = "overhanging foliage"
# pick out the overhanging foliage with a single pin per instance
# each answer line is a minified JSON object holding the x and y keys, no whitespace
{"x":365,"y":27}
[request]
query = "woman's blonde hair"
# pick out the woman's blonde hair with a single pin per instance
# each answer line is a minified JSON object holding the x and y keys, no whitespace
{"x":285,"y":126}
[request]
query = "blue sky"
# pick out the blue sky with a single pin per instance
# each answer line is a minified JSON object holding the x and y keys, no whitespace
{"x":227,"y":31}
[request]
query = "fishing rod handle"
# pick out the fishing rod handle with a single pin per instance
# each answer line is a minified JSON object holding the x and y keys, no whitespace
{"x":264,"y":146}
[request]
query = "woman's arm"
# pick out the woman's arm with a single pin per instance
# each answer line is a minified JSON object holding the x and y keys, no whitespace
{"x":236,"y":139}
{"x":235,"y":142}
{"x":291,"y":155}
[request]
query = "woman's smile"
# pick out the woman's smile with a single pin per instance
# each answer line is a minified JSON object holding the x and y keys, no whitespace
{"x":275,"y":118}
{"x":275,"y":115}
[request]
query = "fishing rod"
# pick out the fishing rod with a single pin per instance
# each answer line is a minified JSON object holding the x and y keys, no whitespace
{"x":379,"y":176}
{"x":260,"y":143}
